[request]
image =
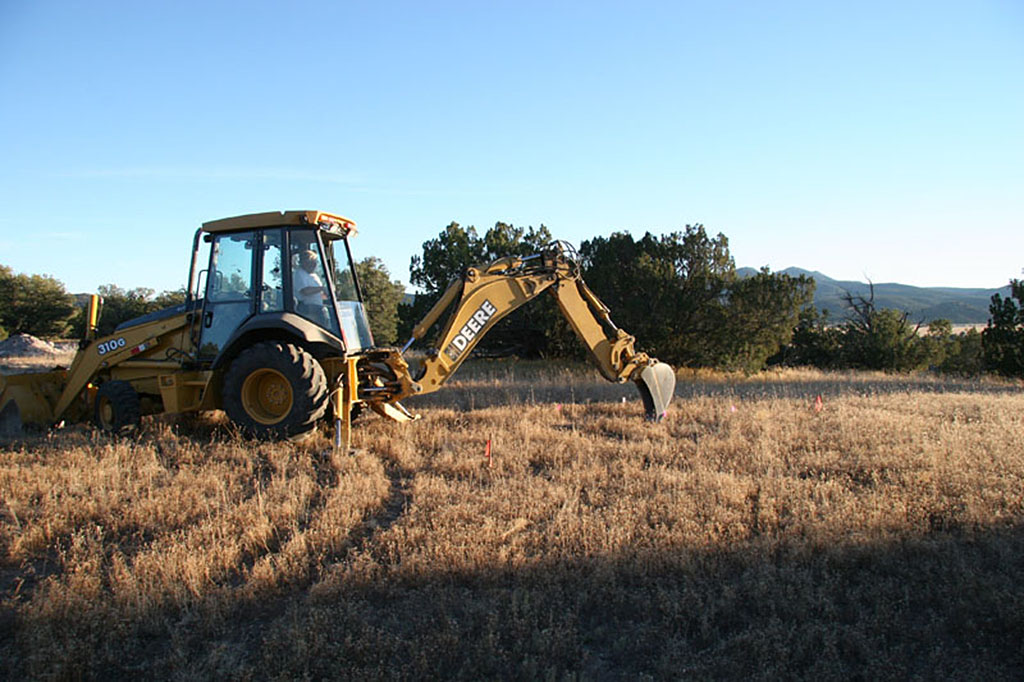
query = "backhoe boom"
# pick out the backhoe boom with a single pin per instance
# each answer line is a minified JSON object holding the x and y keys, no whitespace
{"x":484,"y":295}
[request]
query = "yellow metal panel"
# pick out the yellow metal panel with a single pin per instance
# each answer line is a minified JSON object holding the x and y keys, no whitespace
{"x":254,"y":221}
{"x":183,"y":391}
{"x":35,"y":394}
{"x":151,"y":341}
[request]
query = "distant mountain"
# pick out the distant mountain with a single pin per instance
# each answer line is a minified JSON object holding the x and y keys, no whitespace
{"x":959,"y":306}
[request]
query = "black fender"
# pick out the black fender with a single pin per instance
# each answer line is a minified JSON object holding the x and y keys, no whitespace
{"x":281,"y":326}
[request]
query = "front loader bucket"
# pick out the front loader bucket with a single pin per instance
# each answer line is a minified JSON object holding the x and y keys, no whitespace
{"x":28,"y":399}
{"x":657,"y":384}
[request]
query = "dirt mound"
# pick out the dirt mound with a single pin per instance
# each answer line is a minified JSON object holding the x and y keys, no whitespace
{"x":25,"y":345}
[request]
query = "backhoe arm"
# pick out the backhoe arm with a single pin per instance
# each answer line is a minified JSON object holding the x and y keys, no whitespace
{"x":611,"y":347}
{"x":484,"y":295}
{"x":479,"y":299}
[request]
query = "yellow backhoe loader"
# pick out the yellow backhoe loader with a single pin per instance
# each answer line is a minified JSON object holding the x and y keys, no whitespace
{"x":273,"y":331}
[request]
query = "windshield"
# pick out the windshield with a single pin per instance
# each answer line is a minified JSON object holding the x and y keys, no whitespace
{"x":354,"y":326}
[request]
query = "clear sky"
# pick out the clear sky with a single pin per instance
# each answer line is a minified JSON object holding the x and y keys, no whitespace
{"x":880,"y":140}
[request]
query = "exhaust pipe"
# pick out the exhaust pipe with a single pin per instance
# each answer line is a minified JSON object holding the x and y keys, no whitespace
{"x":657,"y":384}
{"x":92,"y":319}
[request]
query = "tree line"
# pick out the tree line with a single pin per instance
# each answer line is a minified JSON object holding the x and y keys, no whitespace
{"x":40,"y":305}
{"x":679,"y":294}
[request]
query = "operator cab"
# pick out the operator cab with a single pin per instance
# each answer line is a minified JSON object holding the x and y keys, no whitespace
{"x":290,"y":271}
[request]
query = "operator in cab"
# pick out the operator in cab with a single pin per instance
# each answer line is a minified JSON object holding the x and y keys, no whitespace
{"x":309,"y":287}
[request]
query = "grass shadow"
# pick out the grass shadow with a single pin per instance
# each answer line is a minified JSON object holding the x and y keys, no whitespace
{"x":940,"y":605}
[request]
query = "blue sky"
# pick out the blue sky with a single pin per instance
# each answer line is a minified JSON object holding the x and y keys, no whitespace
{"x":880,"y":140}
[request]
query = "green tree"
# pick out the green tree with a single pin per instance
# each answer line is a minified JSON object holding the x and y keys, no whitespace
{"x":936,"y":343}
{"x":34,"y":304}
{"x":382,"y":297}
{"x":880,"y":339}
{"x":883,"y":340}
{"x":169,"y":299}
{"x":1003,"y":338}
{"x":679,"y":294}
{"x":762,"y":312}
{"x":7,"y":293}
{"x":121,"y":305}
{"x":670,"y":291}
{"x":964,"y":354}
{"x":445,"y":257}
{"x":816,"y":342}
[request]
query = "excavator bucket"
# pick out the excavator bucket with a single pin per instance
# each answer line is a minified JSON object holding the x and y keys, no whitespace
{"x":657,"y":384}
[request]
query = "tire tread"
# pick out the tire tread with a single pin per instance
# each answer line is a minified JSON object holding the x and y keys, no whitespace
{"x":304,"y":373}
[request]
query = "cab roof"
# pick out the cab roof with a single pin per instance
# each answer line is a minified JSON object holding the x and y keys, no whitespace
{"x":328,"y":222}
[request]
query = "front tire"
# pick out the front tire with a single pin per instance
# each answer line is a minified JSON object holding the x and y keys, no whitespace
{"x":275,"y":390}
{"x":117,"y":408}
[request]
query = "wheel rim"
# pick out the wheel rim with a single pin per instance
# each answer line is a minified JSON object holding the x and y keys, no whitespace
{"x":267,"y":396}
{"x":106,"y":414}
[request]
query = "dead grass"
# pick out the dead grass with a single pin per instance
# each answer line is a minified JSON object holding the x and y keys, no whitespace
{"x":748,"y":535}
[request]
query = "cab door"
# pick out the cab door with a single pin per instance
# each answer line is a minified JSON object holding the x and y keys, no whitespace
{"x":229,"y":289}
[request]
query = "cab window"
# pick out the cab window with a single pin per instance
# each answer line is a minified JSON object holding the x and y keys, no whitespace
{"x":311,"y":294}
{"x":272,"y":297}
{"x":231,"y":268}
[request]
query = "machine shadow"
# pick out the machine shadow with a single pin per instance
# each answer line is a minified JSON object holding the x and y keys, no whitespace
{"x":943,"y":604}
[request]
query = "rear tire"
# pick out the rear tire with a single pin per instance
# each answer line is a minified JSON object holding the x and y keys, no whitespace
{"x":275,"y":390}
{"x":117,"y":408}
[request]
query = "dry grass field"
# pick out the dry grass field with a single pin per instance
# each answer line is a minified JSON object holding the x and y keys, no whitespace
{"x":749,"y":535}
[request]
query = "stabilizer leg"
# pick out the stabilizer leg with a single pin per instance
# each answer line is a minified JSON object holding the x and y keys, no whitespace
{"x":345,"y":396}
